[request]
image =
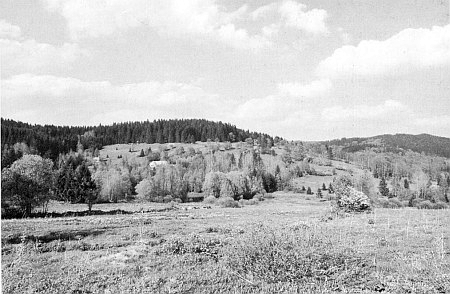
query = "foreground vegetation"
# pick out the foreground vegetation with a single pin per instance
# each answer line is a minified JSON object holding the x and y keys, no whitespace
{"x":285,"y":244}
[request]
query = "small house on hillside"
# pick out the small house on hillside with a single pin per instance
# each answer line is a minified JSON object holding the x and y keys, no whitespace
{"x":99,"y":159}
{"x":156,"y":163}
{"x":195,"y":197}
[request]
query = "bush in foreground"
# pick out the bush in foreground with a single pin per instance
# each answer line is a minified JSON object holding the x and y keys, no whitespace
{"x":304,"y":256}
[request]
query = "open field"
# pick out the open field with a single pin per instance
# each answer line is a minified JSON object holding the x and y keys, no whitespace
{"x":285,"y":244}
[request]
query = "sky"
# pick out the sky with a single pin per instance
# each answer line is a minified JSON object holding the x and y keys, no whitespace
{"x":303,"y":70}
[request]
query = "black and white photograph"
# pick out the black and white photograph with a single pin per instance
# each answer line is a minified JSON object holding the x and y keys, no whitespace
{"x":225,"y":146}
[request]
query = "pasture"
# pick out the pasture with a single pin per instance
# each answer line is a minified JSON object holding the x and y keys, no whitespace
{"x":287,"y":244}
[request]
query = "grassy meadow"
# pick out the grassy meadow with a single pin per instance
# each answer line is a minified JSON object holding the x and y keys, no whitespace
{"x":287,"y":244}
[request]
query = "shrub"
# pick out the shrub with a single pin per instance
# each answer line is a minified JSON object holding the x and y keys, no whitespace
{"x":414,"y":202}
{"x":395,"y":203}
{"x":269,"y":196}
{"x":440,"y":205}
{"x":351,"y":199}
{"x":259,"y":197}
{"x":228,"y":202}
{"x":192,"y":244}
{"x":391,"y":203}
{"x":297,"y":190}
{"x":252,"y":202}
{"x":167,"y":199}
{"x":348,"y":198}
{"x":304,"y":256}
{"x":210,"y":200}
{"x":383,"y":202}
{"x":424,"y":205}
{"x":177,"y":200}
{"x":159,"y":199}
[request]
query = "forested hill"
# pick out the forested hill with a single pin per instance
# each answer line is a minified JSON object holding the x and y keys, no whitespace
{"x":430,"y":145}
{"x":50,"y":140}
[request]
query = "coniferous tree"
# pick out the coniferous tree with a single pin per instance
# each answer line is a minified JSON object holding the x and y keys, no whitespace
{"x":319,"y":193}
{"x":87,"y":188}
{"x":384,"y":190}
{"x":330,"y":189}
{"x":406,"y":184}
{"x":329,"y":152}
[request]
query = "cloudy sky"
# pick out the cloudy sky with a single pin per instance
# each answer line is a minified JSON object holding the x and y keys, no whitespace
{"x":306,"y":69}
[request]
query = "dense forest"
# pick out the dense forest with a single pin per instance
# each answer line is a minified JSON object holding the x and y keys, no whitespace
{"x":50,"y":141}
{"x":398,"y":143}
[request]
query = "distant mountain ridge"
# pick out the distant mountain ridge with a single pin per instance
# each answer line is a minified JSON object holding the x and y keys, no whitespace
{"x":428,"y":144}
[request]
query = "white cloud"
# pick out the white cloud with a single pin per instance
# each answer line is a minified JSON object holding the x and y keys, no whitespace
{"x":438,"y":125}
{"x":390,"y":109}
{"x":284,"y":112}
{"x":282,"y":116}
{"x":239,"y":38}
{"x":72,"y":101}
{"x":183,"y":19}
{"x":264,"y":11}
{"x":291,"y":14}
{"x":32,"y":56}
{"x":288,"y":99}
{"x":27,"y":55}
{"x":177,"y":18}
{"x":314,"y":89}
{"x":295,"y":15}
{"x":9,"y":31}
{"x":411,"y":49}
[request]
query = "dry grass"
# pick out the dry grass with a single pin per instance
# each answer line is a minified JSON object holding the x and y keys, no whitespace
{"x":280,"y":245}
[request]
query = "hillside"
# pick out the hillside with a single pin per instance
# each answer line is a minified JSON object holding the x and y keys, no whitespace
{"x":50,"y":140}
{"x":428,"y":144}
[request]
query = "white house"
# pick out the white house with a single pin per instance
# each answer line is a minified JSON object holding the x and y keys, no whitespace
{"x":156,"y":163}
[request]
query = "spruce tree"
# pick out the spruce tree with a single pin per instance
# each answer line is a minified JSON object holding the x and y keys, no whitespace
{"x":330,"y":189}
{"x":86,"y":186}
{"x":406,"y":184}
{"x":384,"y":190}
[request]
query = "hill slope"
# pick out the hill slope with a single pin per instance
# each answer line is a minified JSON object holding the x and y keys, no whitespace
{"x":429,"y":144}
{"x":52,"y":140}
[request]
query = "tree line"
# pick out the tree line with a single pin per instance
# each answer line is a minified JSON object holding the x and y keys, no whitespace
{"x":49,"y":141}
